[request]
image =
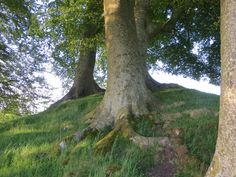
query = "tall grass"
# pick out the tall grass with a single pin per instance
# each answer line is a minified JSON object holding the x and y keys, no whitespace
{"x":29,"y":146}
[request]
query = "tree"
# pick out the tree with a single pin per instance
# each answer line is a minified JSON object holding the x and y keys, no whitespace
{"x":146,"y":30}
{"x":126,"y":90}
{"x":83,"y":11}
{"x":127,"y":96}
{"x":193,"y":47}
{"x":171,"y":30}
{"x":76,"y":25}
{"x":161,"y":27}
{"x":129,"y":31}
{"x":83,"y":83}
{"x":20,"y":58}
{"x":224,"y":160}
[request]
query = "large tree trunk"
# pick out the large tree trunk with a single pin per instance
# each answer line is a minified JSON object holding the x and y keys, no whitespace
{"x":141,"y":18}
{"x":126,"y":93}
{"x":127,"y":96}
{"x":224,"y":160}
{"x":84,"y":83}
{"x":141,"y":21}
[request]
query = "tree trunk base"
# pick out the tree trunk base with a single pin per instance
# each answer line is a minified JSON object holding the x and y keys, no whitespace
{"x":73,"y":94}
{"x":122,"y":127}
{"x":153,"y":85}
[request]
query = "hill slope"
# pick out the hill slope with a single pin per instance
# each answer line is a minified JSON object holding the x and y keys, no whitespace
{"x":31,"y":146}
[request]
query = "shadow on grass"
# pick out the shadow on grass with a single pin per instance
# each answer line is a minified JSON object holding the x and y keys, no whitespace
{"x":23,"y":139}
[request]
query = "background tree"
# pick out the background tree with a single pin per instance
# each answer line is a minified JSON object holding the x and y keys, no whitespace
{"x":76,"y":29}
{"x":127,"y":95}
{"x":169,"y":31}
{"x":145,"y":30}
{"x":183,"y":35}
{"x":20,"y":58}
{"x":63,"y":16}
{"x":224,"y":160}
{"x":119,"y":101}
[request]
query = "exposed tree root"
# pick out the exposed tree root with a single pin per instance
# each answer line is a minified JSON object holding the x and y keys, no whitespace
{"x":105,"y":143}
{"x":153,"y":85}
{"x":123,"y":128}
{"x":80,"y":135}
{"x":79,"y":93}
{"x":105,"y":115}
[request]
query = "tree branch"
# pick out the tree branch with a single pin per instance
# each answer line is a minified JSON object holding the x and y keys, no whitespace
{"x":153,"y":29}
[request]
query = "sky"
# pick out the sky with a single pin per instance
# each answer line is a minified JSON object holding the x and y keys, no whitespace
{"x":161,"y":77}
{"x":202,"y":85}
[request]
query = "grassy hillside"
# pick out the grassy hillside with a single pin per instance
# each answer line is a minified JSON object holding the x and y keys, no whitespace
{"x":29,"y":146}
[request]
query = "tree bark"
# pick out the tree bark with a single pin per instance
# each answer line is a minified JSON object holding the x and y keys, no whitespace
{"x":84,"y":83}
{"x":142,"y":22}
{"x":126,"y":93}
{"x":224,"y":160}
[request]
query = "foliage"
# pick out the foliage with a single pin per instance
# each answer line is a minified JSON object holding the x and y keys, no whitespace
{"x":21,"y":58}
{"x":30,"y":145}
{"x":190,"y":48}
{"x":193,"y":46}
{"x":72,"y":26}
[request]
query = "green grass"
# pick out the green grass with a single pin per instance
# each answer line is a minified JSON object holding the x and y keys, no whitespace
{"x":198,"y":134}
{"x":29,"y":146}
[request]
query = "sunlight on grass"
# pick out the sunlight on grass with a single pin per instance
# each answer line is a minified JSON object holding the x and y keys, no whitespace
{"x":19,"y":130}
{"x":29,"y":146}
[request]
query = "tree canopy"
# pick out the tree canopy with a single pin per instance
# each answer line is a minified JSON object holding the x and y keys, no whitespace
{"x":192,"y":48}
{"x":129,"y":37}
{"x":67,"y":27}
{"x":21,"y":57}
{"x":186,"y":39}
